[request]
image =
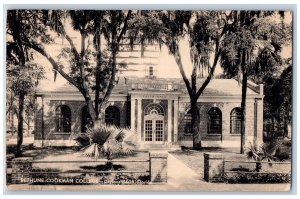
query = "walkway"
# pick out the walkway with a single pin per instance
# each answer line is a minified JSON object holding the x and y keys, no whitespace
{"x":179,"y":174}
{"x":183,"y":178}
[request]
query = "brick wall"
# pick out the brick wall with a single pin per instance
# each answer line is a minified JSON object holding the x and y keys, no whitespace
{"x":38,"y":119}
{"x":226,"y":108}
{"x":76,"y":111}
{"x":124,"y":107}
{"x":260,"y":120}
{"x":159,"y":167}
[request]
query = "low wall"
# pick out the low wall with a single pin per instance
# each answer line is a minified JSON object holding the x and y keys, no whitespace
{"x":217,"y":169}
{"x":22,"y":168}
{"x":213,"y":167}
{"x":158,"y":167}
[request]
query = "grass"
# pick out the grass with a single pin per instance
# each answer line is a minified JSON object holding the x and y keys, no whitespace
{"x":195,"y":159}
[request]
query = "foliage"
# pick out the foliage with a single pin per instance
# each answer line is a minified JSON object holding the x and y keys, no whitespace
{"x":23,"y":79}
{"x":252,"y":49}
{"x":261,"y":36}
{"x":23,"y":74}
{"x":269,"y":151}
{"x":265,"y":151}
{"x":89,"y":66}
{"x":278,"y":102}
{"x":107,"y":141}
{"x":241,"y":177}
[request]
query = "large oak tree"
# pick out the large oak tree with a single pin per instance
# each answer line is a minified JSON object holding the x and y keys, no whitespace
{"x":90,"y":68}
{"x":204,"y":30}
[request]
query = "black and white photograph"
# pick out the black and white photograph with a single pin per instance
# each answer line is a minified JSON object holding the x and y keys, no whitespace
{"x":149,"y":99}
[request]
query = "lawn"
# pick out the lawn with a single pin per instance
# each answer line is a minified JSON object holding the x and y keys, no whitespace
{"x":195,"y":159}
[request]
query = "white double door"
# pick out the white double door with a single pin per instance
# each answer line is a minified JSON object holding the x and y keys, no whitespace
{"x":154,"y":129}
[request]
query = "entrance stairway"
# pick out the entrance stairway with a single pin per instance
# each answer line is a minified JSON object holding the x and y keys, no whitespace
{"x":169,"y":147}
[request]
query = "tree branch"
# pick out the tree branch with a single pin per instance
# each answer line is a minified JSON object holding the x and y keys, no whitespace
{"x":124,"y":27}
{"x":73,"y":48}
{"x":54,"y":64}
{"x":112,"y":62}
{"x":112,"y":78}
{"x":177,"y":57}
{"x":194,"y":79}
{"x":211,"y":72}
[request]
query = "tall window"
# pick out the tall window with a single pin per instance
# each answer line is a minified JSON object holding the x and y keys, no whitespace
{"x":235,"y":121}
{"x":188,"y":123}
{"x":86,"y":119}
{"x":112,"y":116}
{"x":150,"y":70}
{"x":63,"y":119}
{"x":214,"y":121}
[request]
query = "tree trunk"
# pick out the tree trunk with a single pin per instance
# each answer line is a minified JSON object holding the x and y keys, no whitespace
{"x":91,"y":109}
{"x":285,"y":124}
{"x":243,"y":112}
{"x":20,"y":124}
{"x":28,"y":127}
{"x":101,"y":116}
{"x":195,"y":123}
{"x":98,"y":70}
{"x":12,"y":125}
{"x":258,"y":166}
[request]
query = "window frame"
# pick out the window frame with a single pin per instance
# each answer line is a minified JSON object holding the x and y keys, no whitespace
{"x":233,"y":119}
{"x":63,"y":120}
{"x":114,"y":118}
{"x":188,"y":131}
{"x":216,"y":130}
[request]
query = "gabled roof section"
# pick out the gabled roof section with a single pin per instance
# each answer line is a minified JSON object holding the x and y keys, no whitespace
{"x":216,"y":87}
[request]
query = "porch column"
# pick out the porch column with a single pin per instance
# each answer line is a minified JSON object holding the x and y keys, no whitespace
{"x":169,"y":121}
{"x":139,"y":116}
{"x":132,"y":114}
{"x":175,"y":120}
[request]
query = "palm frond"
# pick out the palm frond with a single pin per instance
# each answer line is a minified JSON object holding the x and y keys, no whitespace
{"x":92,"y":150}
{"x":82,"y":140}
{"x":108,"y":141}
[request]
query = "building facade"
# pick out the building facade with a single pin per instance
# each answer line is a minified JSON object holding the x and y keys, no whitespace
{"x":158,"y":109}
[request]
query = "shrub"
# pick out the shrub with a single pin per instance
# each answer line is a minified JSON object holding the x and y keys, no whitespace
{"x":107,"y":141}
{"x":241,"y":177}
{"x":282,"y":155}
{"x":240,"y":168}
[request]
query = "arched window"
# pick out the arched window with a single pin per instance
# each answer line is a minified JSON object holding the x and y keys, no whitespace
{"x":235,"y":121}
{"x":112,"y":116}
{"x":154,"y":109}
{"x":86,"y":119}
{"x":214,"y":121}
{"x":63,"y":119}
{"x":188,"y":123}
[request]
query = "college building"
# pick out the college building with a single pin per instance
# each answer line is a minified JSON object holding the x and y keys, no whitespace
{"x":158,"y":109}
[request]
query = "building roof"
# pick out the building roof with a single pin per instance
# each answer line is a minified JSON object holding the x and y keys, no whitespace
{"x":216,"y":87}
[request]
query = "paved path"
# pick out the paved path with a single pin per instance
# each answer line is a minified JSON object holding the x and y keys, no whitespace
{"x":179,"y":173}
